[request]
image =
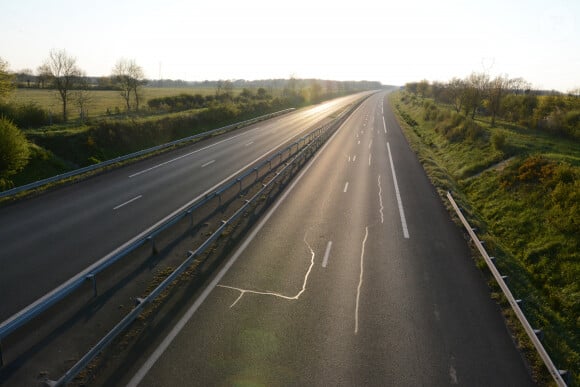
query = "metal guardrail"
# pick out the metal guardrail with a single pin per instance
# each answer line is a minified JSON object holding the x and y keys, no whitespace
{"x":316,"y":140}
{"x":143,"y":152}
{"x":532,"y":333}
{"x":40,"y":306}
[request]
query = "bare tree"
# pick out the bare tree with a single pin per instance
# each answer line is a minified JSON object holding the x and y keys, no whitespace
{"x":498,"y":87}
{"x":64,"y":73}
{"x":520,"y":86}
{"x":129,"y":77}
{"x":477,"y":89}
{"x":456,"y":93}
{"x":82,"y":96}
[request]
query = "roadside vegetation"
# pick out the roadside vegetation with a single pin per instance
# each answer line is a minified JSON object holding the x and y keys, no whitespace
{"x":65,"y":120}
{"x":511,"y":156}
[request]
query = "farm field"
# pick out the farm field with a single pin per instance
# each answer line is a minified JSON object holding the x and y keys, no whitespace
{"x":102,"y":102}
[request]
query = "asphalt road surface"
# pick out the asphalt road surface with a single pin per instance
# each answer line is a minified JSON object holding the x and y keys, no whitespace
{"x":46,"y":240}
{"x":357,"y":276}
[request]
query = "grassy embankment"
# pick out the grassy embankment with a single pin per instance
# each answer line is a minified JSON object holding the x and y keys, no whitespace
{"x":521,"y":189}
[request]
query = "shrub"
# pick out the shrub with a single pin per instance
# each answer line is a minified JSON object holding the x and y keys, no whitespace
{"x":14,"y":150}
{"x":30,"y":115}
{"x":498,"y":141}
{"x":431,"y":112}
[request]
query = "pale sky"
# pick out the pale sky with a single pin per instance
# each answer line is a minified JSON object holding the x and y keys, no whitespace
{"x":393,"y":42}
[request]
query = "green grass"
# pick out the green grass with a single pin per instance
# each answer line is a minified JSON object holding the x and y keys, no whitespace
{"x":530,"y":222}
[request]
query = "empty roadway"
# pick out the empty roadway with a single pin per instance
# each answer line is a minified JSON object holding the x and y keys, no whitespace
{"x":48,"y":239}
{"x":357,"y":276}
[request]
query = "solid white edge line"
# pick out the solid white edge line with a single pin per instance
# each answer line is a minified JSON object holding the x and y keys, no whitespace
{"x":326,"y":254}
{"x":127,"y":202}
{"x":138,"y":377}
{"x":398,"y":194}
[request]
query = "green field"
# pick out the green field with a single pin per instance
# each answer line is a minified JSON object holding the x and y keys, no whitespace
{"x":520,"y":188}
{"x":100,"y":102}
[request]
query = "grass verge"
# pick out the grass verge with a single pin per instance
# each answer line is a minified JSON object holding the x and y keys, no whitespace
{"x":521,"y":189}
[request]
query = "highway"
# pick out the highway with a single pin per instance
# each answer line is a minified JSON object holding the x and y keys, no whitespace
{"x":48,"y":239}
{"x":356,"y":276}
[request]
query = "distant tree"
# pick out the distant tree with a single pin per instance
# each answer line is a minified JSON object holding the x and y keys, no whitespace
{"x":423,"y":88}
{"x":291,"y":88}
{"x":412,"y":87}
{"x":129,"y":78}
{"x":82,"y":96}
{"x":6,"y":80}
{"x":438,"y":91}
{"x":477,"y":90}
{"x":42,"y":76}
{"x":14,"y":150}
{"x":315,"y":91}
{"x":529,"y":105}
{"x":456,"y":93}
{"x":498,"y":87}
{"x":25,"y":76}
{"x":219,"y":86}
{"x":64,"y":73}
{"x":105,"y":83}
{"x":262,"y":93}
{"x":246,"y":94}
{"x":520,"y":86}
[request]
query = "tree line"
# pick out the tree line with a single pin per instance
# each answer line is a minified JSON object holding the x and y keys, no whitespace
{"x":61,"y":72}
{"x":509,"y":99}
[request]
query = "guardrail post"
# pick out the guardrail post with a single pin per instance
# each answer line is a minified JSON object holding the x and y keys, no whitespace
{"x":240,"y":181}
{"x":93,"y":279}
{"x":190,"y":213}
{"x":153,"y":247}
